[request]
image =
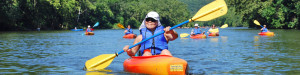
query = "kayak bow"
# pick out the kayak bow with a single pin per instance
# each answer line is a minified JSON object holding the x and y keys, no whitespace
{"x":156,"y":65}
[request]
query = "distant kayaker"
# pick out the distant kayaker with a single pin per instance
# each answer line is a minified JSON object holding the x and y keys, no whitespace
{"x":38,"y":29}
{"x":75,"y":28}
{"x":89,"y":29}
{"x":213,"y":30}
{"x":264,"y":29}
{"x":128,"y":30}
{"x":196,"y":30}
{"x":156,"y":46}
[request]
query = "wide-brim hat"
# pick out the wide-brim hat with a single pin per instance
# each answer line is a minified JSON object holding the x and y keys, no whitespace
{"x":196,"y":25}
{"x":153,"y":15}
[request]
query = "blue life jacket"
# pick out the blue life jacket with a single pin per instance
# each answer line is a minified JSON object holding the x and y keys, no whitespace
{"x":129,"y":31}
{"x":264,"y":30}
{"x":197,"y":31}
{"x":89,"y":30}
{"x":157,"y":44}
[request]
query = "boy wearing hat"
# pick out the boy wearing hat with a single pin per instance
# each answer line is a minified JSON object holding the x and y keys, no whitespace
{"x":89,"y":29}
{"x":196,"y":30}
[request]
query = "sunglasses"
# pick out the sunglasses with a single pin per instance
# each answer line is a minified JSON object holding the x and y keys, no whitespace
{"x":151,"y":19}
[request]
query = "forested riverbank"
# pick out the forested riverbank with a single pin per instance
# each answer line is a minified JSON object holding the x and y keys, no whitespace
{"x":67,"y":14}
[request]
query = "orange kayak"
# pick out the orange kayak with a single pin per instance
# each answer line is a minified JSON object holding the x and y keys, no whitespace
{"x":156,"y":65}
{"x":89,"y":33}
{"x":213,"y":34}
{"x":129,"y":36}
{"x":266,"y":33}
{"x":199,"y":36}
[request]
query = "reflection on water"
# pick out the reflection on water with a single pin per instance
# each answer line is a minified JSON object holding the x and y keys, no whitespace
{"x":214,"y":39}
{"x":235,"y":51}
{"x":224,"y":38}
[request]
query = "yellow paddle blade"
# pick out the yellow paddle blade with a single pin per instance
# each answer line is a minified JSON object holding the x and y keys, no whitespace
{"x":120,"y":25}
{"x":99,"y":62}
{"x":211,"y":11}
{"x":224,"y":26}
{"x":256,"y":22}
{"x":184,"y":34}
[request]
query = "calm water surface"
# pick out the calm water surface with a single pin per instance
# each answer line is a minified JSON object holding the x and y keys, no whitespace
{"x":235,"y":51}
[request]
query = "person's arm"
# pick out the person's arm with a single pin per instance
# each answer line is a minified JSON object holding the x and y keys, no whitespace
{"x":125,"y":31}
{"x":131,"y":52}
{"x":192,"y":32}
{"x":170,"y":34}
{"x":209,"y":30}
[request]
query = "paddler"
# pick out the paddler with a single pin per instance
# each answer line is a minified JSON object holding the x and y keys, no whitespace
{"x":196,"y":30}
{"x":213,"y":30}
{"x":158,"y":45}
{"x":128,"y":30}
{"x":264,"y":29}
{"x":89,"y":29}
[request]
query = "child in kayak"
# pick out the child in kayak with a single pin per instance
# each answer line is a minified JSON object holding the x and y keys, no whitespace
{"x":196,"y":30}
{"x":89,"y":29}
{"x":157,"y":45}
{"x":213,"y":30}
{"x":264,"y":29}
{"x":128,"y":30}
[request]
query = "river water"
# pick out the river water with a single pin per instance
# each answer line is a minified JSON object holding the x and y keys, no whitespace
{"x":235,"y":51}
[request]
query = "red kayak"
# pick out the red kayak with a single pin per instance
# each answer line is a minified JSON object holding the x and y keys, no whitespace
{"x":198,"y":36}
{"x":213,"y":34}
{"x":156,"y":65}
{"x":129,"y":36}
{"x":89,"y":33}
{"x":266,"y":33}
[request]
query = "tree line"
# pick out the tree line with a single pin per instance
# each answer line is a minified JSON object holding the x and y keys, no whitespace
{"x":67,"y":14}
{"x":281,"y":14}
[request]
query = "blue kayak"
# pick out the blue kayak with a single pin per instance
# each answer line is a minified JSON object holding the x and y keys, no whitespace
{"x":77,"y":29}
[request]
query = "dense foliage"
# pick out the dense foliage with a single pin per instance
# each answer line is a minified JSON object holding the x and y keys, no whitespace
{"x":273,"y":13}
{"x":67,"y":14}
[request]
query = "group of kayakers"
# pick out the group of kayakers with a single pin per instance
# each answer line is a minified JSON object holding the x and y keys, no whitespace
{"x":158,"y":45}
{"x":197,"y":31}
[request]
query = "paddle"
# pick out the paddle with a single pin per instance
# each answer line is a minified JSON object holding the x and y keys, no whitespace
{"x":97,"y":24}
{"x":208,"y":12}
{"x":257,"y":23}
{"x":224,"y":26}
{"x":182,"y":35}
{"x":120,"y":26}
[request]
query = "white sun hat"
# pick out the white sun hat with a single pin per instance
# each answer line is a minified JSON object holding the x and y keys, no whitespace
{"x":196,"y":25}
{"x":153,"y":15}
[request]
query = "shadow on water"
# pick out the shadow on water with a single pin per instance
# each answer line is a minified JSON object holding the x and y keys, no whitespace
{"x":235,"y":51}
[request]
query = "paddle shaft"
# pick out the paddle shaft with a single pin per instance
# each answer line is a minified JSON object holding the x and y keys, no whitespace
{"x":261,"y":26}
{"x":155,"y":35}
